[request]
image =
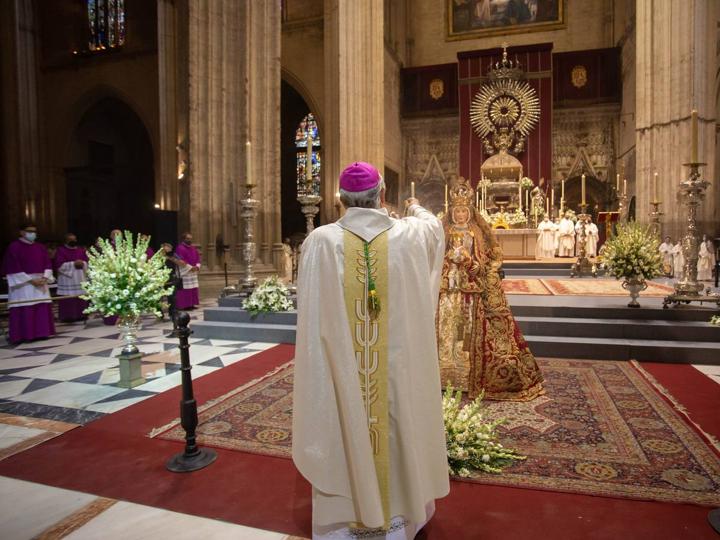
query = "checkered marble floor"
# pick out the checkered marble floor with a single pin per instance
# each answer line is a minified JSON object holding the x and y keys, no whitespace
{"x":72,"y":377}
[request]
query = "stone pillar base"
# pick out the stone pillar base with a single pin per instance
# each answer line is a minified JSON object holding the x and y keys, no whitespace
{"x":130,"y":370}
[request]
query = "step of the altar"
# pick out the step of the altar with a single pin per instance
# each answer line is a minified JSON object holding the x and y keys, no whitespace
{"x":676,"y":352}
{"x":532,"y":268}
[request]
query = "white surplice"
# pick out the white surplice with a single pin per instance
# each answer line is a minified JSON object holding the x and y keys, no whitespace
{"x":678,"y":261}
{"x":566,"y":246}
{"x":706,"y":261}
{"x":545,"y":247}
{"x":331,"y":443}
{"x":23,"y":293}
{"x":70,"y":279}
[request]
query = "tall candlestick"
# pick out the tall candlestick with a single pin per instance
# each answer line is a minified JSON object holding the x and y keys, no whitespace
{"x":527,"y":200}
{"x":582,"y":186}
{"x":562,"y":190}
{"x":412,"y":191}
{"x":248,"y":165}
{"x":520,"y":195}
{"x":624,"y":187}
{"x":617,"y":187}
{"x":655,"y":185}
{"x":477,"y":199}
{"x":552,"y":198}
{"x":694,"y":128}
{"x":547,"y":206}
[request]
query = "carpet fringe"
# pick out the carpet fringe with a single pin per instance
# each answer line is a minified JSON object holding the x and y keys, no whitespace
{"x":679,"y":407}
{"x":205,"y":406}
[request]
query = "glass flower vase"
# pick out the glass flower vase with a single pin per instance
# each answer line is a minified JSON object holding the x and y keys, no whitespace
{"x":129,"y":326}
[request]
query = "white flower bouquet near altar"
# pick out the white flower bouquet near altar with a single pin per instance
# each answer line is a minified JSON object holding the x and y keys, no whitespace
{"x":527,"y":183}
{"x":123,"y":281}
{"x":269,"y":297}
{"x":715,"y":320}
{"x":517,"y":217}
{"x":633,"y":252}
{"x":472,"y":442}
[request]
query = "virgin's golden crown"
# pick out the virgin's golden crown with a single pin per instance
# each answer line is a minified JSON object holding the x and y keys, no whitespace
{"x":462,"y":193}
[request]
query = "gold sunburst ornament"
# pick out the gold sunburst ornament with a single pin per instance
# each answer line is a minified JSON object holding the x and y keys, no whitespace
{"x":506,"y":109}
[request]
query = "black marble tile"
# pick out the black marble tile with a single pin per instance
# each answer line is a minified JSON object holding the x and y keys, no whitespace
{"x":49,"y":412}
{"x":213,"y":362}
{"x":105,"y":354}
{"x":170,"y":346}
{"x":39,"y":384}
{"x":63,"y":357}
{"x":128,"y":394}
{"x":171,"y":368}
{"x":90,"y":378}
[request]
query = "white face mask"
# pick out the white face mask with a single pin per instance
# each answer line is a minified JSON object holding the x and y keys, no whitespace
{"x":30,"y":236}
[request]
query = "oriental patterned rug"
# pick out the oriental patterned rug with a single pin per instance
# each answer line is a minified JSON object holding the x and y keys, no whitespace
{"x":600,"y":287}
{"x":524,"y":286}
{"x":601,"y":429}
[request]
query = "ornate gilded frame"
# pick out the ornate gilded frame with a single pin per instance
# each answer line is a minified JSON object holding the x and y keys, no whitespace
{"x":543,"y":26}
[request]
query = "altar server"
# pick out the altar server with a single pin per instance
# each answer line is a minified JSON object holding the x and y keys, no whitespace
{"x":566,"y":246}
{"x":368,"y":430}
{"x":593,"y":235}
{"x":189,"y":296}
{"x":706,"y":260}
{"x":70,"y":264}
{"x":545,"y":247}
{"x":666,"y":251}
{"x":28,"y":270}
{"x":678,"y":260}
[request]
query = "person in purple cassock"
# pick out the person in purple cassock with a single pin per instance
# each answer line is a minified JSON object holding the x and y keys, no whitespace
{"x":70,"y":265}
{"x":189,"y":296}
{"x":26,"y":265}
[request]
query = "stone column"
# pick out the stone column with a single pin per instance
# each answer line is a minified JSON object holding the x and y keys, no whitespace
{"x":216,"y":69}
{"x":354,"y":65}
{"x":25,"y":195}
{"x":263,"y":114}
{"x":675,"y":69}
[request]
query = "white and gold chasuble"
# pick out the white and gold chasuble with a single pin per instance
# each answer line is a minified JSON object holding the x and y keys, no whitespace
{"x":368,"y":432}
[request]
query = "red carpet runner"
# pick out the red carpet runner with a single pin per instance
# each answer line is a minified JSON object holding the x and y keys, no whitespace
{"x":113,"y":458}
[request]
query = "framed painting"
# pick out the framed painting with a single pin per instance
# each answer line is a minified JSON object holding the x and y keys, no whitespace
{"x":470,"y":19}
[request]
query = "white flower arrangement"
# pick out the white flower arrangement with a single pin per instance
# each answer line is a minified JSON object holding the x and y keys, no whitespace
{"x":526,"y":183}
{"x":472,"y":443}
{"x":122,"y":281}
{"x":517,"y":217}
{"x":570,"y":214}
{"x":632,"y":252}
{"x":269,"y":297}
{"x":715,"y":320}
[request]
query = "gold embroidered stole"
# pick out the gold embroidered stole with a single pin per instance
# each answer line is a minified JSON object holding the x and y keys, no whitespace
{"x":370,"y":341}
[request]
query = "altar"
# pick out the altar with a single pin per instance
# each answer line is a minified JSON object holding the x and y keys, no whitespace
{"x":517,"y":243}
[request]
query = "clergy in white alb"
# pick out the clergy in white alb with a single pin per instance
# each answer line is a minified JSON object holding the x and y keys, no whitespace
{"x":566,"y":238}
{"x":678,"y":260}
{"x":666,"y":250}
{"x":706,"y":260}
{"x":545,"y":247}
{"x":556,"y":232}
{"x":591,"y":242}
{"x":368,"y":431}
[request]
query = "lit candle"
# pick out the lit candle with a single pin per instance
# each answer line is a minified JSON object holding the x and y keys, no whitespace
{"x":618,"y":183}
{"x":552,"y":198}
{"x":527,"y":199}
{"x":248,"y":165}
{"x":655,"y":184}
{"x":582,"y":185}
{"x":694,"y":128}
{"x":624,"y":187}
{"x":477,"y":200}
{"x":547,"y":206}
{"x":562,"y":190}
{"x":412,"y":191}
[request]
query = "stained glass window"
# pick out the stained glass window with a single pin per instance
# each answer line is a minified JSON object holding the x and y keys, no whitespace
{"x":106,"y":24}
{"x":307,"y":132}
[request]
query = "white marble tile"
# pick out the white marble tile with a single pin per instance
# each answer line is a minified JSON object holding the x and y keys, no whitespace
{"x":28,"y":509}
{"x":45,"y":343}
{"x":114,"y":406}
{"x":10,"y":435}
{"x":93,"y":332}
{"x":174,"y":379}
{"x":13,"y":388}
{"x":85,"y":347}
{"x":229,"y":359}
{"x":10,"y":353}
{"x":27,"y":361}
{"x":69,"y":394}
{"x":69,"y":369}
{"x":147,"y":523}
{"x":224,"y":343}
{"x":110,"y":375}
{"x":708,"y":370}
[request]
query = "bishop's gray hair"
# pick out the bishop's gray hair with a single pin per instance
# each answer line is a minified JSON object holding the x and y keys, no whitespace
{"x":370,"y":198}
